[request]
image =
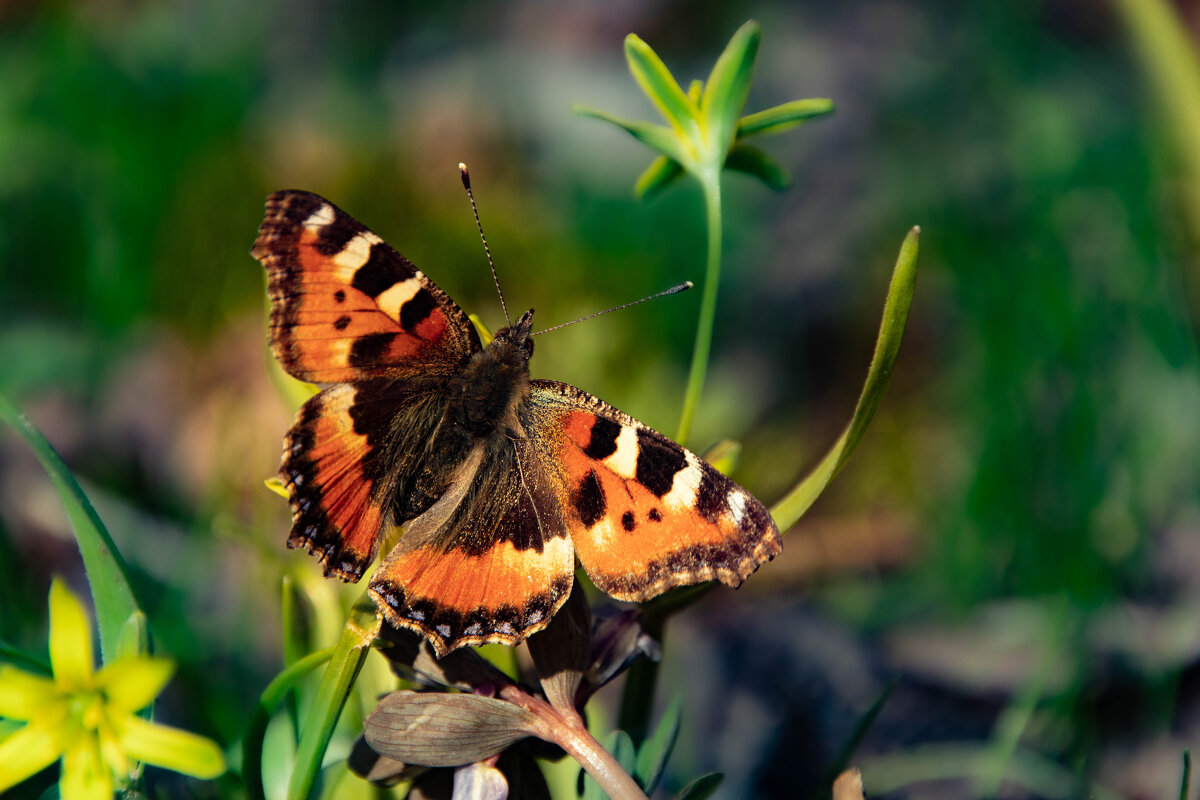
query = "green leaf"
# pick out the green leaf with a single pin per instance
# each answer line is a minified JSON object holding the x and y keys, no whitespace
{"x":279,"y":688}
{"x":659,"y":137}
{"x":783,"y":117}
{"x":703,"y":787}
{"x":752,"y":161}
{"x":728,"y":86}
{"x":653,"y":755}
{"x":887,"y":347}
{"x":860,"y":731}
{"x":336,"y":683}
{"x":661,"y":173}
{"x":134,"y":639}
{"x":724,"y":455}
{"x":27,"y":661}
{"x":107,"y":574}
{"x":661,"y":87}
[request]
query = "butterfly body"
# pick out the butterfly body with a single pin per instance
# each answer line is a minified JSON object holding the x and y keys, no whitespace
{"x":500,"y":481}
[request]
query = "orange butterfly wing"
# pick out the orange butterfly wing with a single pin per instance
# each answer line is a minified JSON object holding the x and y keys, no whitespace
{"x":345,"y":306}
{"x":349,"y":310}
{"x":645,"y":514}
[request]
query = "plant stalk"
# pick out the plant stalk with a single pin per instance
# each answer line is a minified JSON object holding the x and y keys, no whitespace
{"x":566,"y":729}
{"x":711,"y":181}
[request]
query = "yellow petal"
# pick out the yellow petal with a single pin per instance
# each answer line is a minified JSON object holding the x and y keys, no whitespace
{"x":85,"y":776}
{"x":24,"y":695}
{"x":170,"y":748}
{"x":133,"y":683}
{"x":70,"y":638}
{"x":32,"y":749}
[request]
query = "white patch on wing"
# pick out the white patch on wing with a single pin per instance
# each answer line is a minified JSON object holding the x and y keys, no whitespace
{"x":685,"y":485}
{"x":354,"y":255}
{"x":396,"y":296}
{"x":321,"y":217}
{"x":737,"y":505}
{"x":623,"y":460}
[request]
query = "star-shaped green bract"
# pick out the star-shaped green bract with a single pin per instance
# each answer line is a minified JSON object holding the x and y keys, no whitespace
{"x":705,"y":130}
{"x":88,"y":717}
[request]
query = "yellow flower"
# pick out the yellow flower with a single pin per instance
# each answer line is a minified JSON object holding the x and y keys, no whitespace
{"x":87,"y":718}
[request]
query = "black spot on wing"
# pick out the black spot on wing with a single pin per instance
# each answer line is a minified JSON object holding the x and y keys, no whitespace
{"x":627,"y":521}
{"x":342,"y":323}
{"x":419,"y":306}
{"x":332,"y":238}
{"x":340,"y":295}
{"x":381,"y":272}
{"x":657,"y":463}
{"x":711,"y":496}
{"x":367,"y":350}
{"x":603,"y":442}
{"x":655,"y":515}
{"x":588,"y":500}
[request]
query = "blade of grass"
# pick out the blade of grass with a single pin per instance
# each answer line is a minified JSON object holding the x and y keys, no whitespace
{"x":279,"y":688}
{"x":728,"y":86}
{"x":107,"y":574}
{"x":658,"y":137}
{"x":660,"y":86}
{"x":887,"y":347}
{"x":347,"y":659}
{"x":783,"y":117}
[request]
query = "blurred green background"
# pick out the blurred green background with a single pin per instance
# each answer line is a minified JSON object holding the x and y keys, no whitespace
{"x":1015,"y":543}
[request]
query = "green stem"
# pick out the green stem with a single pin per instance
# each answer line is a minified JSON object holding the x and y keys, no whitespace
{"x":711,"y":181}
{"x":344,"y":665}
{"x":268,"y":701}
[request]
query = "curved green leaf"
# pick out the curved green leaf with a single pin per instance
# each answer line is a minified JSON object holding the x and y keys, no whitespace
{"x":659,"y":137}
{"x":106,"y":571}
{"x":895,"y":314}
{"x":660,"y":86}
{"x":783,"y":117}
{"x":661,"y":173}
{"x":654,"y":752}
{"x":728,"y":86}
{"x":703,"y":787}
{"x":752,"y":161}
{"x":336,"y":683}
{"x":279,"y":688}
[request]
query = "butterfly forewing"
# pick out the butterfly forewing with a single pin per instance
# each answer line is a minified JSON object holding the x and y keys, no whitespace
{"x":645,"y":514}
{"x":345,"y":306}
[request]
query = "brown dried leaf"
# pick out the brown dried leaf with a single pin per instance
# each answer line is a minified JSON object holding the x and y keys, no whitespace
{"x":444,"y":730}
{"x":369,"y":765}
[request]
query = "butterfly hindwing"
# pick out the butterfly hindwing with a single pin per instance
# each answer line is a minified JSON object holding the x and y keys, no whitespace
{"x":350,"y":450}
{"x":494,"y":565}
{"x":345,"y":306}
{"x":645,"y":514}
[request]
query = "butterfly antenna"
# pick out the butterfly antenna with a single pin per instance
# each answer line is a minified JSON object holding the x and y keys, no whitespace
{"x":676,"y":289}
{"x":466,"y":179}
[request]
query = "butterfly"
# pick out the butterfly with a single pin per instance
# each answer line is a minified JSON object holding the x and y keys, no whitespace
{"x":499,"y":481}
